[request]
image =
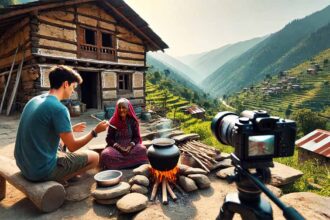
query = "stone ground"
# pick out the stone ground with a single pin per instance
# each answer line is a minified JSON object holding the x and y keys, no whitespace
{"x":202,"y":204}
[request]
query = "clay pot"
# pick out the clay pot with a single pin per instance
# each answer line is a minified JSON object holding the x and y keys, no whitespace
{"x":163,"y":154}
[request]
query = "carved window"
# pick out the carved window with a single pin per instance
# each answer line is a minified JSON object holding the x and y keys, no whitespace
{"x":96,"y":44}
{"x":124,"y":82}
{"x":90,"y":36}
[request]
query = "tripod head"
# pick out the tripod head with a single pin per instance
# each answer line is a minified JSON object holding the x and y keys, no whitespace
{"x":248,"y":202}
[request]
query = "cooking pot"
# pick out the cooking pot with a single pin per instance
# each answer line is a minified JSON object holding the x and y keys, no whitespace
{"x":163,"y":154}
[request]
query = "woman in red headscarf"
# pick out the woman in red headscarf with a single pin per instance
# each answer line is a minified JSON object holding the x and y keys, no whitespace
{"x":124,"y":144}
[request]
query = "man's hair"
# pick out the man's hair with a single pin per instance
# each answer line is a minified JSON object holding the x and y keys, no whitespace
{"x":59,"y":74}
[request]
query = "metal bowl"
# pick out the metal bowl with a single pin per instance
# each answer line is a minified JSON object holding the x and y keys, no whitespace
{"x":108,"y":177}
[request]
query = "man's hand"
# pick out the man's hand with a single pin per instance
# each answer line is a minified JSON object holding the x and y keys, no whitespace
{"x":80,"y":127}
{"x":102,"y":126}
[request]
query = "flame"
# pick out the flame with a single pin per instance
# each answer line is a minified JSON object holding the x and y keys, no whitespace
{"x":170,"y":175}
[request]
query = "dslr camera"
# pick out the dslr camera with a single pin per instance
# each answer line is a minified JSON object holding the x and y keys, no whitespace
{"x":256,"y":136}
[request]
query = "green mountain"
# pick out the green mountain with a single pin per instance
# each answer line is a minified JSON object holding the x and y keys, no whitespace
{"x":173,"y":72}
{"x":176,"y":65}
{"x":296,"y":42}
{"x":209,"y":62}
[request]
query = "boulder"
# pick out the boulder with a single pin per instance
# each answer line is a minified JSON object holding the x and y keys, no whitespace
{"x":132,"y":202}
{"x":192,"y":170}
{"x":224,"y":164}
{"x":107,"y":201}
{"x":112,"y":191}
{"x":282,"y":174}
{"x":139,"y":189}
{"x":142,"y":170}
{"x":276,"y":191}
{"x":139,"y":179}
{"x":151,"y":213}
{"x":201,"y":180}
{"x":225,"y":172}
{"x":309,"y":205}
{"x":187,"y":184}
{"x":182,"y":168}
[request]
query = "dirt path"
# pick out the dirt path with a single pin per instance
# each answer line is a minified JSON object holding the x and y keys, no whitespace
{"x":203,"y":204}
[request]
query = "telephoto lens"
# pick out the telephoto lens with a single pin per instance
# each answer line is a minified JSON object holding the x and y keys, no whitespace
{"x":222,"y":126}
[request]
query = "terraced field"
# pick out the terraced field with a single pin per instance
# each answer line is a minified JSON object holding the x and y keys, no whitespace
{"x":155,"y":98}
{"x":314,"y":93}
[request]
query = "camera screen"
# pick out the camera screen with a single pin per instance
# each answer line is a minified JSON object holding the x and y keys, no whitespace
{"x":261,"y":145}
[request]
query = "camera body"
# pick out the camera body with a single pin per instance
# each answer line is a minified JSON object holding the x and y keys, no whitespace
{"x":256,"y":136}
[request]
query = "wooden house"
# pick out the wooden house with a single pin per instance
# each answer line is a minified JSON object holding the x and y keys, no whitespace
{"x":315,"y":146}
{"x":106,"y":41}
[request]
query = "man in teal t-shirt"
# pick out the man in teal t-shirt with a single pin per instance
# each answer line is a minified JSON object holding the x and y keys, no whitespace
{"x":44,"y":122}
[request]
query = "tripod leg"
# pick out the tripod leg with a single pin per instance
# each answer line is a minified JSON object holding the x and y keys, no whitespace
{"x":225,"y":214}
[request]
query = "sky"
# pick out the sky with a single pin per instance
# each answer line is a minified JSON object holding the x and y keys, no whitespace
{"x":194,"y":26}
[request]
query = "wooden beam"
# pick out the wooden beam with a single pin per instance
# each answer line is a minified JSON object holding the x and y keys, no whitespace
{"x":131,"y":24}
{"x":8,"y":81}
{"x":42,"y":7}
{"x":18,"y":76}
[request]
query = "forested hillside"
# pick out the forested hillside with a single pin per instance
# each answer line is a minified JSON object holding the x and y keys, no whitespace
{"x":298,"y":41}
{"x":214,"y":59}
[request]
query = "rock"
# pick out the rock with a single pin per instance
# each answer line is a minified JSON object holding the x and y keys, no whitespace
{"x":282,"y":174}
{"x":309,"y":205}
{"x":151,"y":213}
{"x":276,"y":191}
{"x":107,"y":201}
{"x":139,"y":179}
{"x":182,"y":168}
{"x":187,"y":184}
{"x":185,"y":137}
{"x":142,"y":170}
{"x":224,"y":163}
{"x":139,"y":189}
{"x":132,"y":202}
{"x":112,"y":191}
{"x":225,"y":172}
{"x":201,"y":180}
{"x":192,"y":170}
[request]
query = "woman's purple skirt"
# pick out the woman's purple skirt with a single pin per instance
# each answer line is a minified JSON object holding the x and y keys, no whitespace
{"x":113,"y":159}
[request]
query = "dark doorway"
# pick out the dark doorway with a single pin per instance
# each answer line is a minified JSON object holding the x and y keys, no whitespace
{"x":89,"y":89}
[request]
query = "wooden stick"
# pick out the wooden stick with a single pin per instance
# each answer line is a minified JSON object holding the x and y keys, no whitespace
{"x":114,"y":127}
{"x":206,"y":147}
{"x":206,"y":161}
{"x":164,"y":191}
{"x":199,"y":148}
{"x":2,"y":188}
{"x":154,"y":190}
{"x":8,"y":81}
{"x":199,"y":162}
{"x":170,"y":191}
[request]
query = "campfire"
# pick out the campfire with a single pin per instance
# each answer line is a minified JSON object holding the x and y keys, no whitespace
{"x":164,"y":178}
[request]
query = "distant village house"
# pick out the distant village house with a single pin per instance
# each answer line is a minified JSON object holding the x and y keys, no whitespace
{"x":315,"y":145}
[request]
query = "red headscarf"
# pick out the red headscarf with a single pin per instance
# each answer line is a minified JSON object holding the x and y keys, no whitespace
{"x":116,"y":120}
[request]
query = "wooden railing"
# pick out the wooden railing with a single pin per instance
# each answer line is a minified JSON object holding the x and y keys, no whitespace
{"x":93,"y":52}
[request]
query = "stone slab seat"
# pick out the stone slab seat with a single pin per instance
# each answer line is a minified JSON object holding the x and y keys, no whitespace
{"x":46,"y":196}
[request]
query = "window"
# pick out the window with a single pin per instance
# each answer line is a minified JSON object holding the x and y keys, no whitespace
{"x":90,"y":37}
{"x":106,"y":40}
{"x":124,"y":81}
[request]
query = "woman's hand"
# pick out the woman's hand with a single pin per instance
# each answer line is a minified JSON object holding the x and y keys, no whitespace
{"x":80,"y":127}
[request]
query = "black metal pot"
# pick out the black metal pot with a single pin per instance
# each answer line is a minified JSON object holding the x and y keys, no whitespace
{"x":163,"y":154}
